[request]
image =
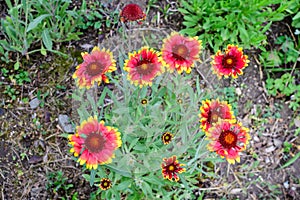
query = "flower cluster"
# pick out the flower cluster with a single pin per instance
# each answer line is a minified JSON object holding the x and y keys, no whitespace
{"x":227,"y":138}
{"x":95,"y":144}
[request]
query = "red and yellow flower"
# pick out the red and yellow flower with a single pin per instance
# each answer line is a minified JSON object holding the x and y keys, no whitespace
{"x":180,"y":53}
{"x":231,"y":63}
{"x":214,"y":110}
{"x":167,"y":137}
{"x":171,"y":167}
{"x":143,"y":66}
{"x":94,"y":143}
{"x":105,"y":184}
{"x":228,"y":139}
{"x":132,"y":12}
{"x":94,"y":68}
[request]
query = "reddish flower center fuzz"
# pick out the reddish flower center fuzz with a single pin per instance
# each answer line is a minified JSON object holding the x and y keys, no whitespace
{"x":144,"y":67}
{"x":94,"y":142}
{"x":228,"y":139}
{"x":94,"y":69}
{"x":228,"y":61}
{"x":180,"y":52}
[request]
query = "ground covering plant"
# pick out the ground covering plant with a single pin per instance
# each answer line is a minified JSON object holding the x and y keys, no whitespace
{"x":149,"y":131}
{"x":147,"y":122}
{"x":232,"y":21}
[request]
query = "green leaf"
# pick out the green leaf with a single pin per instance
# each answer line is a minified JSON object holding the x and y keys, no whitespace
{"x":47,"y":39}
{"x":267,"y":27}
{"x":92,"y":177}
{"x":291,"y":161}
{"x":189,"y":31}
{"x":183,"y":11}
{"x":36,"y":21}
{"x":43,"y":51}
{"x":17,"y":65}
{"x":189,"y":24}
{"x":123,"y":185}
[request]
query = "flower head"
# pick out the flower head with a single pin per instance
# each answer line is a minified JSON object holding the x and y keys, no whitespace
{"x":231,"y":63}
{"x":94,"y":143}
{"x":144,"y":101}
{"x":228,"y":139}
{"x":132,"y":12}
{"x":214,"y":110}
{"x":143,"y":66}
{"x":167,"y":137}
{"x":94,"y":67}
{"x":170,"y":168}
{"x":179,"y":52}
{"x":105,"y":184}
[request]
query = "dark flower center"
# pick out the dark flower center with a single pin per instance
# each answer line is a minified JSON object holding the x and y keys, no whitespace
{"x":229,"y":61}
{"x":228,"y":139}
{"x":180,"y":52}
{"x":94,"y":69}
{"x":167,"y":137}
{"x":171,"y":168}
{"x":105,"y":184}
{"x":94,"y":142}
{"x":144,"y":67}
{"x":144,"y":101}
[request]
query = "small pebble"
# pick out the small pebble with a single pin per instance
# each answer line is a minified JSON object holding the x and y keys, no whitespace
{"x":65,"y":124}
{"x":34,"y":103}
{"x":270,"y":149}
{"x":277,"y":142}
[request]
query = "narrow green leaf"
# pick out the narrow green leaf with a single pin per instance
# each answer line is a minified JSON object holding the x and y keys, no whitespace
{"x":36,"y":21}
{"x":291,"y":161}
{"x":47,"y":39}
{"x":92,"y":177}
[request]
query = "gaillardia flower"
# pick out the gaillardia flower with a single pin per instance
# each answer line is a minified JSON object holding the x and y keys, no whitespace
{"x":179,"y":52}
{"x":105,"y":184}
{"x":167,"y":137}
{"x":143,"y":66}
{"x":228,"y":139}
{"x":170,"y":168}
{"x":231,"y":63}
{"x":132,"y":12}
{"x":94,"y":143}
{"x":94,"y":67}
{"x":212,"y":111}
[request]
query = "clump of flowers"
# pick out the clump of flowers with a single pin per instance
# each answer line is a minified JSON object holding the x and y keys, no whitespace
{"x":214,"y":110}
{"x":94,"y":143}
{"x":105,"y":184}
{"x":231,"y":63}
{"x":228,"y":139}
{"x":171,"y":167}
{"x":143,"y":66}
{"x":167,"y":137}
{"x":180,"y":52}
{"x":132,"y":12}
{"x":94,"y":68}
